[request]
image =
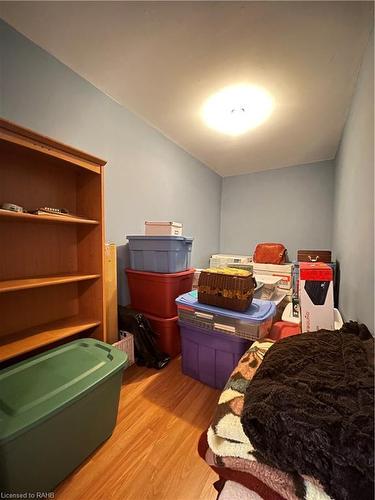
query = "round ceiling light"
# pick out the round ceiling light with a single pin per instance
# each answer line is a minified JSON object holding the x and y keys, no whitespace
{"x":236,"y":109}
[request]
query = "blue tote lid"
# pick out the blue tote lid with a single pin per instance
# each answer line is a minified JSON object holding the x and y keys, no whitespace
{"x":258,"y":312}
{"x":186,"y":239}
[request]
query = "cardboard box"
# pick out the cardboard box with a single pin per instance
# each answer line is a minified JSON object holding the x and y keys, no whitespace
{"x":316,"y":296}
{"x":268,"y":287}
{"x":163,"y":228}
{"x":282,"y":271}
{"x":333,"y":265}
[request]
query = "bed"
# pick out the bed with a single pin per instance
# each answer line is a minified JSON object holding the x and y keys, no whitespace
{"x":269,"y":455}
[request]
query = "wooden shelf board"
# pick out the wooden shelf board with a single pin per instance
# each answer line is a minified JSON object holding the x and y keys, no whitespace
{"x":24,"y":284}
{"x":33,"y":338}
{"x":18,"y":216}
{"x":14,"y":134}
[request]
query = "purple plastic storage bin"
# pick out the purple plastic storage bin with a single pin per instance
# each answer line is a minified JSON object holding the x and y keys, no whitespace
{"x":210,"y":356}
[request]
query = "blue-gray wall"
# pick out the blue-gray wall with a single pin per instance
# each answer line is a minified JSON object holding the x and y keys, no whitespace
{"x":353,"y":238}
{"x":147,"y":176}
{"x":293,"y":206}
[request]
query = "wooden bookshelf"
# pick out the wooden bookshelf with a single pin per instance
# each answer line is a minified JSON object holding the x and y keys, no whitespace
{"x":51,"y":267}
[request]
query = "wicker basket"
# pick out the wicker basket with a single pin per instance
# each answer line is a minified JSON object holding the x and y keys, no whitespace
{"x":227,"y":288}
{"x":126,"y":345}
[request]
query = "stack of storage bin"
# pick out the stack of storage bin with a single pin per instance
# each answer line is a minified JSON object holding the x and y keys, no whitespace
{"x":159,"y":272}
{"x":214,"y":339}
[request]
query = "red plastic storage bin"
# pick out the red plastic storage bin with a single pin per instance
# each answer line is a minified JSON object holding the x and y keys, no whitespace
{"x":155,"y":293}
{"x":283,"y":329}
{"x":168,"y":331}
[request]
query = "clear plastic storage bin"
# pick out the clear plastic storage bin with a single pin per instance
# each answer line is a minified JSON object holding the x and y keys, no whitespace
{"x":253,"y":324}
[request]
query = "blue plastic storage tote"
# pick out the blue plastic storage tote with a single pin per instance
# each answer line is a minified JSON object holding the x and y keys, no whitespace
{"x":253,"y":324}
{"x":160,"y":254}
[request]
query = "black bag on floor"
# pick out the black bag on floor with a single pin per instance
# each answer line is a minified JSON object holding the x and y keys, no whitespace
{"x":146,"y":351}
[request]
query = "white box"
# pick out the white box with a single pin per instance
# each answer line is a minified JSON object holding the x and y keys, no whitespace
{"x":268,"y":279}
{"x":316,"y":296}
{"x":269,"y":287}
{"x":222,"y":259}
{"x":283,"y":271}
{"x":163,"y":228}
{"x":289,"y":318}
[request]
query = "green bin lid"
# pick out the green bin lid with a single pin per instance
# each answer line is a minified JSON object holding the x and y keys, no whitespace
{"x":38,"y":387}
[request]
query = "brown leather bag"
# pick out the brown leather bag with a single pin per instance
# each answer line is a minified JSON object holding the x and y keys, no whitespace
{"x":269,"y":253}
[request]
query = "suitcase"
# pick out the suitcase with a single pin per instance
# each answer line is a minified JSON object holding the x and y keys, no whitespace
{"x":314,"y":256}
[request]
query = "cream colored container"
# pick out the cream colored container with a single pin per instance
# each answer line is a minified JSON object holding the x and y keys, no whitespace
{"x":222,"y":260}
{"x":163,"y":228}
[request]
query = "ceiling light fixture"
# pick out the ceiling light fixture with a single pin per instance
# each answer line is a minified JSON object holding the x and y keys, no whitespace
{"x":236,"y":109}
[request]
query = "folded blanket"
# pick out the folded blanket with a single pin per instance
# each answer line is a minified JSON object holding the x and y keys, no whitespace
{"x":227,"y":474}
{"x":309,"y":410}
{"x":236,"y":491}
{"x":226,"y":436}
{"x":230,"y":448}
{"x":278,"y":482}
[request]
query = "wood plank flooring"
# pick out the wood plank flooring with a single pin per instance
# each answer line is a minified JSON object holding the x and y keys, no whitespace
{"x":152,"y":453}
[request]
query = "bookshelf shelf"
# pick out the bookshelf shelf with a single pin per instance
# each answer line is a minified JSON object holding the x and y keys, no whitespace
{"x":24,"y":284}
{"x":42,"y":335}
{"x":56,"y":219}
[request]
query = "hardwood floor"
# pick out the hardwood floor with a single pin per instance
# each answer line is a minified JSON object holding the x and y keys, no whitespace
{"x":152,"y":453}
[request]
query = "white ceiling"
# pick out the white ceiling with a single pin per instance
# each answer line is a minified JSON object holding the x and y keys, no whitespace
{"x":163,"y":59}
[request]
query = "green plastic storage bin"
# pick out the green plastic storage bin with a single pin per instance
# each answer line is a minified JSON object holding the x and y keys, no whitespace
{"x":55,"y":409}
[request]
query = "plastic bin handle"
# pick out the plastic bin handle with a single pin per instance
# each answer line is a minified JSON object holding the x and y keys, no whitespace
{"x":227,"y":328}
{"x":203,"y":315}
{"x":313,"y":259}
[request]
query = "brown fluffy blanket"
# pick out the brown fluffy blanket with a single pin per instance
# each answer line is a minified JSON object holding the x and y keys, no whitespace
{"x":310,"y":409}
